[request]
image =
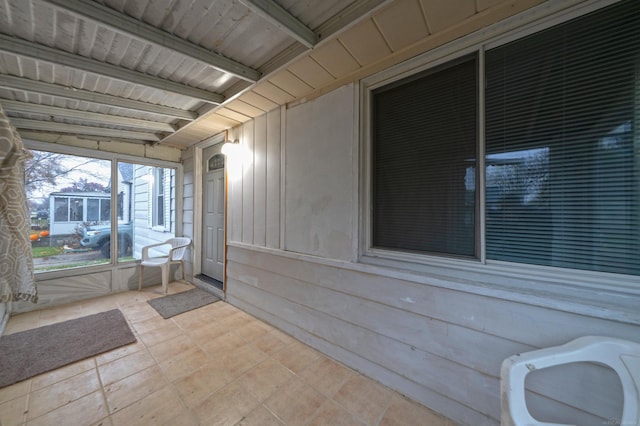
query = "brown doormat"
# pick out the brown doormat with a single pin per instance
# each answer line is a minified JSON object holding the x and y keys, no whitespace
{"x":169,"y":306}
{"x":32,"y":352}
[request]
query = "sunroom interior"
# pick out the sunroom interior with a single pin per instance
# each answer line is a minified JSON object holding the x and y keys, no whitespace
{"x":409,"y":191}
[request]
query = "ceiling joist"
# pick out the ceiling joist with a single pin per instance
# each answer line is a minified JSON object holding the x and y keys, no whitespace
{"x":50,"y":126}
{"x":39,"y":52}
{"x":39,"y":87}
{"x":96,"y":117}
{"x":142,"y":31}
{"x":281,"y":18}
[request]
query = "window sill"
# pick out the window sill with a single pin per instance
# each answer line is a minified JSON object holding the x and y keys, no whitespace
{"x":597,"y":294}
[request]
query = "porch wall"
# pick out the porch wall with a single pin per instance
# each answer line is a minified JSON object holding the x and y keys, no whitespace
{"x":291,"y":261}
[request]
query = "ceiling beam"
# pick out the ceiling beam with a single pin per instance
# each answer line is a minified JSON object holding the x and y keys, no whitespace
{"x":143,"y":31}
{"x":116,"y":120}
{"x":39,"y":87}
{"x":40,"y":52}
{"x":281,"y":18}
{"x":50,"y":126}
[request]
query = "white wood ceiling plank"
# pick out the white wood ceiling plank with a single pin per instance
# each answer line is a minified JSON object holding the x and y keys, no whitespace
{"x":46,"y":27}
{"x":412,"y":28}
{"x":233,"y":115}
{"x":288,"y":82}
{"x":197,"y":11}
{"x":311,"y":72}
{"x":333,"y":57}
{"x":87,"y":34}
{"x":281,"y":18}
{"x":365,"y":43}
{"x":273,"y":93}
{"x":151,"y":15}
{"x":244,"y":108}
{"x":102,"y":43}
{"x":65,"y":31}
{"x":258,"y":101}
{"x":119,"y":49}
{"x":23,"y":24}
{"x":441,"y":15}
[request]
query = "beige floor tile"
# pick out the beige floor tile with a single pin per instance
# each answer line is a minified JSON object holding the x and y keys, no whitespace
{"x":139,"y":311}
{"x":252,"y":330}
{"x":242,"y":359}
{"x":14,"y":411}
{"x":171,"y":348}
{"x":296,"y":356}
{"x":165,"y":332}
{"x":87,"y":410}
{"x":185,"y":418}
{"x":204,"y":335}
{"x":266,"y":378}
{"x":155,"y":409}
{"x":184,"y":364}
{"x":331,"y":414}
{"x":271,"y":342}
{"x":197,"y":386}
{"x":260,"y":417}
{"x":364,"y":397}
{"x":403,"y":412}
{"x":326,"y":375}
{"x":193,"y":320}
{"x":15,"y":391}
{"x":55,"y":396}
{"x":133,"y":388}
{"x":295,"y":403}
{"x":222,"y":345}
{"x":124,"y":367}
{"x":120,"y":352}
{"x":227,"y":406}
{"x":54,"y":376}
{"x":149,"y":324}
{"x":22,"y":322}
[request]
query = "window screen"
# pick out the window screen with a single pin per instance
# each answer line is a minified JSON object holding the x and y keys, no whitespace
{"x":424,"y":162}
{"x":562,"y":168}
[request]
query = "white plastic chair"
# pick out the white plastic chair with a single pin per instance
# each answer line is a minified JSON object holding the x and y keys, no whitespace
{"x":621,"y":355}
{"x":176,"y":253}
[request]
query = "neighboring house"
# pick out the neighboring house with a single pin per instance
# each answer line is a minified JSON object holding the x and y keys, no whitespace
{"x":357,"y":215}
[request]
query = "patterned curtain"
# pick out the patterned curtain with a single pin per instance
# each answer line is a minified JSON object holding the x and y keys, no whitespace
{"x":16,"y":264}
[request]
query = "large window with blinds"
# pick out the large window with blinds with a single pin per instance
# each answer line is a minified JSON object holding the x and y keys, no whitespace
{"x":561,"y":143}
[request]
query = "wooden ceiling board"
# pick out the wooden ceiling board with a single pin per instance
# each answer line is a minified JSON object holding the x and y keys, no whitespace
{"x":312,"y":73}
{"x":333,"y":57}
{"x":244,"y":108}
{"x":402,"y":23}
{"x":273,"y":93}
{"x":290,"y":83}
{"x":233,"y":115}
{"x":365,"y":43}
{"x":441,"y":15}
{"x":258,"y":101}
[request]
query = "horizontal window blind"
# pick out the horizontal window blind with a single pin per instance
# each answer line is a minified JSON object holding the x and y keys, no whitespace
{"x":424,"y":161}
{"x":563,"y":145}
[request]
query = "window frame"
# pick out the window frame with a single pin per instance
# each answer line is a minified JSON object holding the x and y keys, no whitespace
{"x":507,"y":279}
{"x":114,"y":262}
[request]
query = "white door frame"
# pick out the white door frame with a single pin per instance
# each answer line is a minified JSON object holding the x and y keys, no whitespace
{"x":198,"y":176}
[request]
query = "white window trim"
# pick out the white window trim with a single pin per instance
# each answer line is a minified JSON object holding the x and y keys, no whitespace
{"x":114,"y":158}
{"x":588,"y":292}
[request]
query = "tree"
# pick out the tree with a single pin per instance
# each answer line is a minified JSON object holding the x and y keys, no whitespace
{"x":44,"y":168}
{"x":83,"y":185}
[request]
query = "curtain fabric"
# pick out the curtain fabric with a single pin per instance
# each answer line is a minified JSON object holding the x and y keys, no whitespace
{"x":17,"y":281}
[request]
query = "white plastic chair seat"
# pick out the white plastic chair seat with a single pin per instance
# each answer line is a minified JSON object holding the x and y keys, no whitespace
{"x":178,"y":249}
{"x":620,"y":355}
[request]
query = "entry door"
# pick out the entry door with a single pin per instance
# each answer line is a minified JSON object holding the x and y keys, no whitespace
{"x":213,"y":229}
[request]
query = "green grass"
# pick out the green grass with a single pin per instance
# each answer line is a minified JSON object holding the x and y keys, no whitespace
{"x":46,"y":251}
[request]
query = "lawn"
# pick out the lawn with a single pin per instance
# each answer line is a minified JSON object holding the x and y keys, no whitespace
{"x":46,"y":251}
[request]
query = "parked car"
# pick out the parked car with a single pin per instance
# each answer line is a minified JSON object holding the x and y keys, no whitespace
{"x":99,"y":237}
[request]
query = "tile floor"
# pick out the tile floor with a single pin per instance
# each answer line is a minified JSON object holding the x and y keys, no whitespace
{"x":215,"y":365}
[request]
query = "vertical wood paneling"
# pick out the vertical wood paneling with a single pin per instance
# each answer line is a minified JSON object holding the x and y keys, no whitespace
{"x":246,"y":141}
{"x":235,"y":195}
{"x":272,"y":213}
{"x":260,"y":181}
